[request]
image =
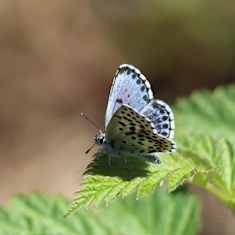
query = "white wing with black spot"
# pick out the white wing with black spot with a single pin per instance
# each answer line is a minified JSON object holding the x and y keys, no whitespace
{"x":132,"y":132}
{"x":130,"y":87}
{"x":161,"y":116}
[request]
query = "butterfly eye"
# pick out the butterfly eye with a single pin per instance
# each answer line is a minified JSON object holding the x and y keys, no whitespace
{"x":101,"y":140}
{"x":98,"y":140}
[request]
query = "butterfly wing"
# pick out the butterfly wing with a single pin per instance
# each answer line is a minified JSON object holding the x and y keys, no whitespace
{"x":132,"y":132}
{"x":161,"y":116}
{"x":129,"y":87}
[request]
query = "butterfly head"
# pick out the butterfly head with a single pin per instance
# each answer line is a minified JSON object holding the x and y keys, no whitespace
{"x":100,"y":138}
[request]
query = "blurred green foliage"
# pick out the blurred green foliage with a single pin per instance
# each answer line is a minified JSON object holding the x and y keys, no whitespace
{"x":208,"y":113}
{"x":160,"y":213}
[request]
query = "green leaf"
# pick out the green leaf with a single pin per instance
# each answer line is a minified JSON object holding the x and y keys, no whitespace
{"x":208,"y":113}
{"x":215,"y":166}
{"x":158,"y":213}
{"x":201,"y":160}
{"x":38,"y":214}
{"x":105,"y":182}
{"x":205,"y":156}
{"x":211,"y":113}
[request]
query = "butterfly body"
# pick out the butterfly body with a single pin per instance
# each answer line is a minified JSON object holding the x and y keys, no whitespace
{"x":136,"y":124}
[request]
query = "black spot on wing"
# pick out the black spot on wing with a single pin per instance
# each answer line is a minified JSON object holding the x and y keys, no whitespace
{"x":119,"y":101}
{"x":122,"y":123}
{"x":145,"y":98}
{"x":142,"y":88}
{"x":164,"y":118}
{"x":165,"y":125}
{"x":133,"y":75}
{"x":164,"y":133}
{"x":132,"y":128}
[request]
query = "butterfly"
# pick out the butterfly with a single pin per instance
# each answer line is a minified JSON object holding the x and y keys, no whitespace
{"x":135,"y":122}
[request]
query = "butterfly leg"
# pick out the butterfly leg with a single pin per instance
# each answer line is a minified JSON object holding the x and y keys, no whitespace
{"x":109,"y":160}
{"x":153,"y":158}
{"x":98,"y":154}
{"x":157,"y":160}
{"x":125,"y":159}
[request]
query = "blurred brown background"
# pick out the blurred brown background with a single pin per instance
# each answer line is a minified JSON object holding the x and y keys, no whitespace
{"x":58,"y":58}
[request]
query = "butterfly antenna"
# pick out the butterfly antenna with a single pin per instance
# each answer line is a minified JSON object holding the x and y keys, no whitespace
{"x":89,"y":149}
{"x":89,"y":120}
